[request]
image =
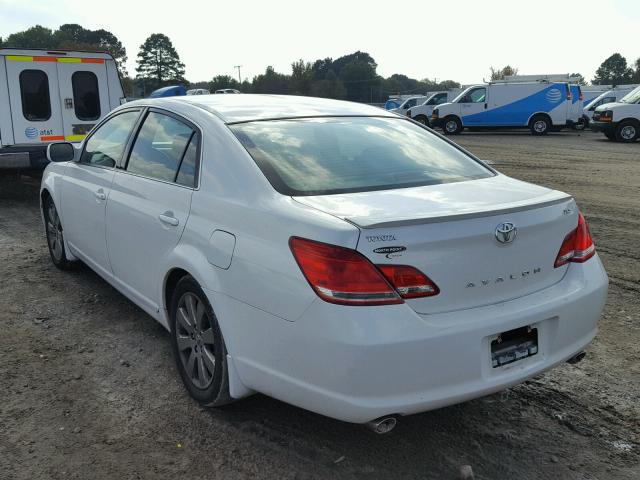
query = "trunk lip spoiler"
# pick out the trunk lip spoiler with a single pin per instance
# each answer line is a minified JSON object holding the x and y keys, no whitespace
{"x":459,"y":216}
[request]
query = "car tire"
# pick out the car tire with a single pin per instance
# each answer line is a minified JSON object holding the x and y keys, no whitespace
{"x":627,"y":131}
{"x":198,"y":346}
{"x":540,"y":125}
{"x":55,"y":236}
{"x":451,"y":125}
{"x":422,"y":119}
{"x":581,"y":124}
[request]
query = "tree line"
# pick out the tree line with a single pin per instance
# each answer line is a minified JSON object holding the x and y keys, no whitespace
{"x":351,"y":77}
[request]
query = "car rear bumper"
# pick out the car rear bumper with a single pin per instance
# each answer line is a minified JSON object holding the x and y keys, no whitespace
{"x":23,"y":157}
{"x":360,"y":363}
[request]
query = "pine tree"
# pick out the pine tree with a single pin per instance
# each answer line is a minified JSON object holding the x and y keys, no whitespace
{"x":159,"y":61}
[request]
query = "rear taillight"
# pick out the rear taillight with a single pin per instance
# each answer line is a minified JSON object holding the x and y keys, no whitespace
{"x":408,"y":281}
{"x":341,"y":275}
{"x":578,"y":246}
{"x":581,"y":95}
{"x":568,"y":91}
{"x":344,"y":276}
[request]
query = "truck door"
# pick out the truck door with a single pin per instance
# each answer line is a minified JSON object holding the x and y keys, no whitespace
{"x":34,"y":100}
{"x":83,"y":95}
{"x":473,"y":106}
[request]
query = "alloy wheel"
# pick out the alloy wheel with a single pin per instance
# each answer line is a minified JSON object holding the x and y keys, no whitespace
{"x":196,"y":340}
{"x":54,"y":232}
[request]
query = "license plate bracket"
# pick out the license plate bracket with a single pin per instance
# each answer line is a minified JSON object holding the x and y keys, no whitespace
{"x":514,"y":345}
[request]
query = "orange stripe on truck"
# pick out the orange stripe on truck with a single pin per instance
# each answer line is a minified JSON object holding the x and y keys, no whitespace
{"x":45,"y":59}
{"x":24,"y":58}
{"x":51,"y":138}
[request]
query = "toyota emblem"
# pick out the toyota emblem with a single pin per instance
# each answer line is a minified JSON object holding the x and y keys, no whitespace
{"x":506,"y":232}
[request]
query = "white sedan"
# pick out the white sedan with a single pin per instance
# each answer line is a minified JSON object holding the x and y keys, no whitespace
{"x":329,"y":254}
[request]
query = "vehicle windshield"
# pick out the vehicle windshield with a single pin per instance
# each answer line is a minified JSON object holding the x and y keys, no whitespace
{"x":463,"y":93}
{"x":321,"y":156}
{"x":632,"y":97}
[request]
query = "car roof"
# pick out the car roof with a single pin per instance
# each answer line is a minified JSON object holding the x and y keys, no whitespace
{"x":251,"y":107}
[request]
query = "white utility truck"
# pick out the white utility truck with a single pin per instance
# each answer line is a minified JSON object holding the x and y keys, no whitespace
{"x":610,"y":96}
{"x":422,"y":113}
{"x":541,"y":105}
{"x":620,"y":120}
{"x":409,"y":103}
{"x":51,"y":96}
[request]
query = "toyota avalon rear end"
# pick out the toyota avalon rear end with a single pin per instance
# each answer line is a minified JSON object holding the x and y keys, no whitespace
{"x":458,"y":280}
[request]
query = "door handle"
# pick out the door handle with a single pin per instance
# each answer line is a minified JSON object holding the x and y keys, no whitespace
{"x":485,"y":106}
{"x":173,"y":221}
{"x":100,"y":195}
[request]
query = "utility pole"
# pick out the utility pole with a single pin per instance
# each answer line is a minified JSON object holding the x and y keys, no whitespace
{"x":239,"y":77}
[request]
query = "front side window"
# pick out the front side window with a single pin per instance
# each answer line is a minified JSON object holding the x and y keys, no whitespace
{"x":86,"y":97}
{"x":160,"y":147}
{"x":477,"y":95}
{"x":106,"y":146}
{"x":34,"y":91}
{"x":321,"y":156}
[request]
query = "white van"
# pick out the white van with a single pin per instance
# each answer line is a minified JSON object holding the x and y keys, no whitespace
{"x":610,"y":96}
{"x":409,"y":103}
{"x":542,"y":106}
{"x":50,"y":96}
{"x":198,"y":91}
{"x":620,"y":120}
{"x":422,"y":113}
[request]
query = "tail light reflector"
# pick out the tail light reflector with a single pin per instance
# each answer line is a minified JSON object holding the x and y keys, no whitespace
{"x":408,"y":281}
{"x":581,"y":96}
{"x":568,"y":91}
{"x":341,"y":275}
{"x":578,"y":246}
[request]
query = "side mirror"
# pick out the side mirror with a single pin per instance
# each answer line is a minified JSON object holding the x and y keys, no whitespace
{"x":61,"y":152}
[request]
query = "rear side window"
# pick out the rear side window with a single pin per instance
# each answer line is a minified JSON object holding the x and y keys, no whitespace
{"x":106,"y":145}
{"x":322,"y":156}
{"x":159,"y":148}
{"x":34,"y":91}
{"x":187,"y":171}
{"x":86,"y":97}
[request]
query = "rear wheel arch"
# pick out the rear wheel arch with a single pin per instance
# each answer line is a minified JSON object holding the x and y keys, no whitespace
{"x":170,"y":283}
{"x":537,"y":114}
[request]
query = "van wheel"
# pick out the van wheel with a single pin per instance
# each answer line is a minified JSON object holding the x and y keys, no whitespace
{"x":581,"y":124}
{"x":627,"y":131}
{"x":198,"y":346}
{"x":422,"y":119}
{"x":540,"y":125}
{"x":55,"y":237}
{"x":452,"y":126}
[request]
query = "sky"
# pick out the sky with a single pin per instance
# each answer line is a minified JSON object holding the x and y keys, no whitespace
{"x":457,"y":40}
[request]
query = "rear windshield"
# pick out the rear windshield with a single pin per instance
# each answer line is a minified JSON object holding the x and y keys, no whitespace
{"x":321,"y":156}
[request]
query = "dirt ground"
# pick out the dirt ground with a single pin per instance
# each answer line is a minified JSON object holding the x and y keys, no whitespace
{"x":88,"y":387}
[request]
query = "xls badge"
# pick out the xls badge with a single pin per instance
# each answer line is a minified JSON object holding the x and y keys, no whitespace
{"x":390,"y":251}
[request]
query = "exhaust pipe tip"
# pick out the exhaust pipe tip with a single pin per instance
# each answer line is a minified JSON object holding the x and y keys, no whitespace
{"x":382,"y":425}
{"x":577,"y":358}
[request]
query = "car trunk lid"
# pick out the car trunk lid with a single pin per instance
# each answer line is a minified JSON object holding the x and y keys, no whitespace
{"x":457,"y":234}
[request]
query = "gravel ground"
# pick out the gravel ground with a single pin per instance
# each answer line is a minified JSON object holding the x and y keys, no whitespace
{"x":88,"y":388}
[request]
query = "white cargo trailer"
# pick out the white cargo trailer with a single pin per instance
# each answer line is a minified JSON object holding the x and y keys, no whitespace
{"x":50,"y":96}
